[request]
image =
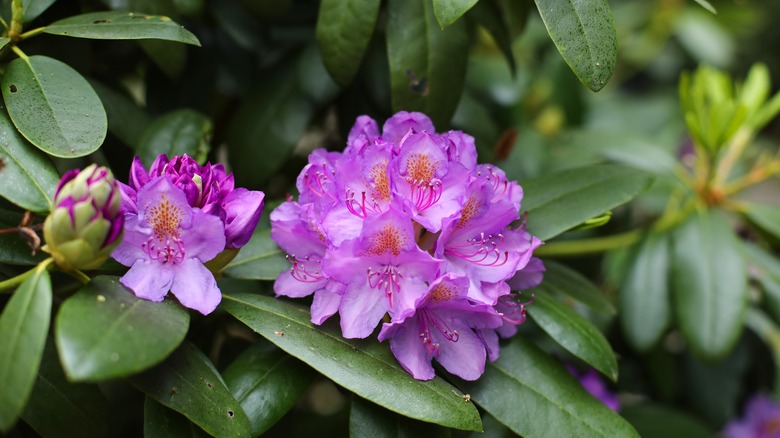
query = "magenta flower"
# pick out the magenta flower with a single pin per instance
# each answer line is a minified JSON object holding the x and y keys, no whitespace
{"x":761,"y":420}
{"x":590,"y":380}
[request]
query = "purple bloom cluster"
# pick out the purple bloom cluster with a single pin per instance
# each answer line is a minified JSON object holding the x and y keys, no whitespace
{"x":406,"y":223}
{"x":178,"y":216}
{"x":761,"y":420}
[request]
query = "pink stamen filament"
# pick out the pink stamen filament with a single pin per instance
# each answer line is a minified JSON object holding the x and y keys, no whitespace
{"x":360,"y":208}
{"x":497,"y":182}
{"x":483,"y":251}
{"x":171,"y":252}
{"x":386,"y":279}
{"x":320,"y":178}
{"x":428,"y":318}
{"x":300,"y":272}
{"x":425,"y":194}
{"x":512,"y":310}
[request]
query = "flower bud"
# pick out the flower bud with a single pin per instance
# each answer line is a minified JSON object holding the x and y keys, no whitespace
{"x":85,"y":224}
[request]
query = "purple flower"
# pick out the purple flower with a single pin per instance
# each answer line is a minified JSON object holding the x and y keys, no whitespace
{"x":761,"y":420}
{"x":590,"y":380}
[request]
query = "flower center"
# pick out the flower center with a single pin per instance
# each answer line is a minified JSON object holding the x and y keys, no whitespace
{"x":426,"y":188}
{"x":428,"y":319}
{"x":386,"y":279}
{"x":389,"y":239}
{"x":482,"y":251}
{"x":165,"y":245}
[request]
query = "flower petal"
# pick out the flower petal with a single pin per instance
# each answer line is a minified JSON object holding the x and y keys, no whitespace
{"x":242,"y":212}
{"x":407,"y":347}
{"x":325,"y":304}
{"x":464,"y":358}
{"x":195,"y":287}
{"x":361,"y":309}
{"x":148,"y":280}
{"x":129,"y":249}
{"x":205,"y":238}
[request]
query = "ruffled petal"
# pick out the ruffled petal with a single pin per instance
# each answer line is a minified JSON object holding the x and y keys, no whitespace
{"x":195,"y":287}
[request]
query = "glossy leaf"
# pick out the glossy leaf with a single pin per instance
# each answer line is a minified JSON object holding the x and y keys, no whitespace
{"x":449,"y":11}
{"x":27,"y":176}
{"x":13,"y":249}
{"x":645,"y":308}
{"x":188,"y":383}
{"x":709,"y":282}
{"x":267,"y":382}
{"x":177,"y":133}
{"x":574,"y":333}
{"x":259,"y":259}
{"x":562,"y":279}
{"x":24,"y":324}
{"x":126,"y":120}
{"x":161,"y":422}
{"x":559,"y":201}
{"x":344,"y":29}
{"x":364,"y":367}
{"x":369,"y":420}
{"x":427,"y":64}
{"x":765,"y":216}
{"x":115,"y":25}
{"x":104,"y":331}
{"x":534,"y":395}
{"x":585,"y":36}
{"x":53,"y":106}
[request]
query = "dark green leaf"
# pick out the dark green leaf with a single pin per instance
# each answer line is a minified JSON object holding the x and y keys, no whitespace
{"x":104,"y":331}
{"x":27,"y":176}
{"x":535,"y":396}
{"x":259,"y":259}
{"x":23,"y":327}
{"x":369,"y":420}
{"x":4,"y":41}
{"x":344,"y":29}
{"x":177,"y":133}
{"x":449,"y":11}
{"x":585,"y":36}
{"x":32,"y":9}
{"x":515,"y":13}
{"x":161,"y":422}
{"x":53,"y":106}
{"x":765,"y":216}
{"x":562,"y":200}
{"x":267,"y":382}
{"x":427,"y":64}
{"x":14,"y":250}
{"x":766,"y":268}
{"x":61,"y":408}
{"x":657,"y":421}
{"x":187,"y":383}
{"x":567,"y":281}
{"x":574,"y":333}
{"x":489,"y":15}
{"x":644,"y":296}
{"x":114,"y":25}
{"x":364,"y":367}
{"x":170,"y":56}
{"x":126,"y":120}
{"x":709,"y":281}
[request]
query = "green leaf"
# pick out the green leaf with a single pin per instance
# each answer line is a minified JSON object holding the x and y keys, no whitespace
{"x":27,"y":176}
{"x":449,"y":11}
{"x":115,"y":25}
{"x":179,"y":132}
{"x":364,"y":367}
{"x":645,"y":309}
{"x":515,"y":14}
{"x":4,"y":41}
{"x":709,"y":281}
{"x":489,"y":15}
{"x":32,"y":9}
{"x":188,"y":383}
{"x":706,"y":5}
{"x":766,"y":269}
{"x":585,"y":36}
{"x":427,"y":64}
{"x":161,"y":422}
{"x":259,"y":259}
{"x":369,"y":420}
{"x":765,"y":216}
{"x":23,"y":325}
{"x":61,"y":408}
{"x":574,"y":333}
{"x":104,"y":331}
{"x":559,"y":201}
{"x":14,"y":250}
{"x":344,"y":29}
{"x":126,"y":120}
{"x":170,"y":56}
{"x":534,"y":396}
{"x":53,"y":106}
{"x":657,"y":421}
{"x":562,"y":279}
{"x":267,"y":382}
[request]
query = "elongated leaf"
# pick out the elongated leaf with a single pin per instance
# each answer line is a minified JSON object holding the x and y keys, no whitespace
{"x":449,"y":11}
{"x":574,"y":333}
{"x":567,"y":281}
{"x":27,"y":176}
{"x":709,"y":282}
{"x":259,"y":259}
{"x":369,"y":420}
{"x":125,"y":119}
{"x":14,"y":250}
{"x":188,"y":383}
{"x":177,"y":133}
{"x":427,"y":64}
{"x":562,"y":200}
{"x":364,"y":367}
{"x":536,"y":397}
{"x":344,"y":29}
{"x":161,"y":422}
{"x":585,"y":36}
{"x":644,"y":296}
{"x":23,"y":327}
{"x":114,"y":25}
{"x":104,"y":331}
{"x":765,"y":216}
{"x":766,"y":269}
{"x":53,"y":106}
{"x":267,"y":382}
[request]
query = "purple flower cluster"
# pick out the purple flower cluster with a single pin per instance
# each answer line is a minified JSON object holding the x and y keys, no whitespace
{"x":761,"y":420}
{"x":178,"y":216}
{"x":406,"y":223}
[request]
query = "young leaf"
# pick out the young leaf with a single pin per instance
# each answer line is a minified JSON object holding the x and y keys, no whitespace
{"x":53,"y":106}
{"x":115,"y":25}
{"x":427,"y":64}
{"x":562,"y":279}
{"x":709,"y":284}
{"x":562,"y":200}
{"x":104,"y":331}
{"x":369,"y":420}
{"x":259,"y":259}
{"x":364,"y":367}
{"x":344,"y":29}
{"x":535,"y":396}
{"x":449,"y":11}
{"x":24,"y":324}
{"x":585,"y":36}
{"x":177,"y":133}
{"x":188,"y":383}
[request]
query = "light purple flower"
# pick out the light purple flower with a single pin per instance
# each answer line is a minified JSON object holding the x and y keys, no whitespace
{"x":590,"y":380}
{"x":760,"y":420}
